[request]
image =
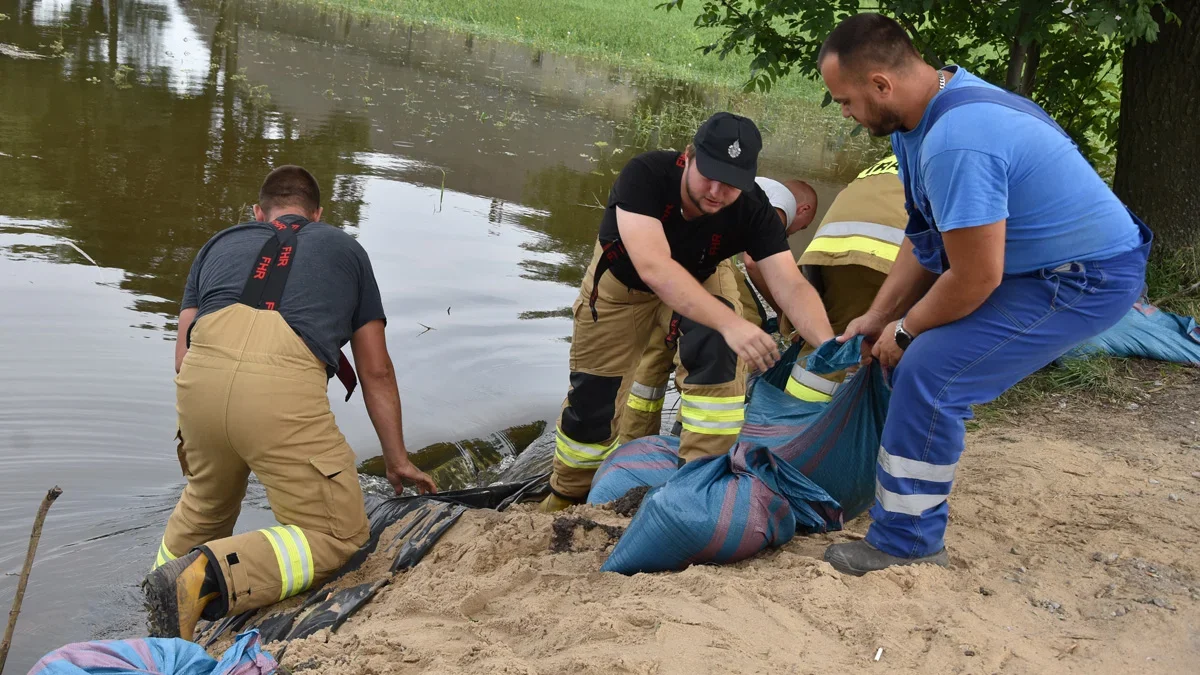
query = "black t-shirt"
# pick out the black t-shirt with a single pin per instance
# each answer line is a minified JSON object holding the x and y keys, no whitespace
{"x":650,"y":185}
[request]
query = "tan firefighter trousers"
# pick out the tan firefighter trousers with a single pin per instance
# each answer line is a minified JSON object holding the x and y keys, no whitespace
{"x":642,"y":403}
{"x":252,"y":397}
{"x":605,"y":353}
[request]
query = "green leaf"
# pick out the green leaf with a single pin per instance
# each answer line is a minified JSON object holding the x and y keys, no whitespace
{"x":828,"y":99}
{"x":857,"y":130}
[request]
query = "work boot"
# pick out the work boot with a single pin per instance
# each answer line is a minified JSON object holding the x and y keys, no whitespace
{"x":859,"y":557}
{"x":553,"y":503}
{"x":175,"y":596}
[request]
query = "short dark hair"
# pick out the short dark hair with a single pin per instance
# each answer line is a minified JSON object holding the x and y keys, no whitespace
{"x":868,"y":39}
{"x":290,"y":185}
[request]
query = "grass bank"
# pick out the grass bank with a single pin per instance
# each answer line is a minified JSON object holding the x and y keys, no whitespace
{"x":629,"y":33}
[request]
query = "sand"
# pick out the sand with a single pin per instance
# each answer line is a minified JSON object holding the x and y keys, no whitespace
{"x":1074,"y":548}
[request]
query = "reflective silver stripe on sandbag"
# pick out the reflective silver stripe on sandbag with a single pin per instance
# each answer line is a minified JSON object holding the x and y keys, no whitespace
{"x":850,"y":228}
{"x":815,"y":382}
{"x":910,"y":505}
{"x":902,"y":467}
{"x":648,"y":393}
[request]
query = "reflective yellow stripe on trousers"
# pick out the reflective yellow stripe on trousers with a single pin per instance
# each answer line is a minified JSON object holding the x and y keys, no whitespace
{"x":809,"y":387}
{"x":294,"y":558}
{"x":874,"y":239}
{"x":718,"y":415}
{"x":579,"y":455}
{"x":645,"y":398}
{"x":164,"y":555}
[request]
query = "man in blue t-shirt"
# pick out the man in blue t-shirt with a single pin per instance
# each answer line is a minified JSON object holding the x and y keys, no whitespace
{"x":1015,"y":252}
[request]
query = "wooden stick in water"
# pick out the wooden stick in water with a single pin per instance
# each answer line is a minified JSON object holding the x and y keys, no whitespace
{"x":24,"y":580}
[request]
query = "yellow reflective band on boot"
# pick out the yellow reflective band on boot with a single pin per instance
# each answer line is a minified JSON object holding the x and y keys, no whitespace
{"x":809,"y":387}
{"x":164,"y":555}
{"x":294,"y":557}
{"x":579,"y":455}
{"x":716,"y":415}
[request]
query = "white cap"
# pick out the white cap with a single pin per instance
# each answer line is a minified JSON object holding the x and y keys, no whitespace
{"x":780,"y":197}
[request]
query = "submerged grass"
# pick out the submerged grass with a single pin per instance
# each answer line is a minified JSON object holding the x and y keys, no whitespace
{"x":628,"y":33}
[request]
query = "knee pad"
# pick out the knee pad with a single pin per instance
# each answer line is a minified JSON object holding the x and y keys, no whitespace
{"x":591,"y":407}
{"x":705,"y":354}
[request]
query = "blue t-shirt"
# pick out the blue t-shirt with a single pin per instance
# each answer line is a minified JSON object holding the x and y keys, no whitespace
{"x":985,"y":162}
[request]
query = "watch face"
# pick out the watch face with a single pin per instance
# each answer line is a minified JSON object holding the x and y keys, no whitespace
{"x":902,"y":339}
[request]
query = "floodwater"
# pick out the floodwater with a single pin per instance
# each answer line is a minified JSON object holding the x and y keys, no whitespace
{"x":132,"y":130}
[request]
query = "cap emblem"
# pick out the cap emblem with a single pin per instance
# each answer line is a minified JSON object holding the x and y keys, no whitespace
{"x":735,"y":150}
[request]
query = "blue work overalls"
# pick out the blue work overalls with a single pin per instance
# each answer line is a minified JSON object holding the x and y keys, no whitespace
{"x":1027,"y":322}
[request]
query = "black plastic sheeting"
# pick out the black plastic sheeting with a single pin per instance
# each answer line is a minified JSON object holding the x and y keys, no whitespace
{"x":433,"y":515}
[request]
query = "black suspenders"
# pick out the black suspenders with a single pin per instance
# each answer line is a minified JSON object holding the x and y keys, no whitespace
{"x":264,"y":288}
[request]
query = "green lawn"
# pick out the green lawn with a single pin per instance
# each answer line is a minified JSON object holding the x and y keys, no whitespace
{"x":630,"y":33}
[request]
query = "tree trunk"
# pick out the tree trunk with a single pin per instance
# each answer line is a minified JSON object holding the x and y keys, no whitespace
{"x":1029,"y":78}
{"x":1158,"y":145}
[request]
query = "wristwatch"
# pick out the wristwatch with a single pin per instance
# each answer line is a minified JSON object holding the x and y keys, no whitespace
{"x":903,"y":337}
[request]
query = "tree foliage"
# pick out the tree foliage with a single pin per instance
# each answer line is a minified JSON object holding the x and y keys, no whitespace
{"x":1066,"y":55}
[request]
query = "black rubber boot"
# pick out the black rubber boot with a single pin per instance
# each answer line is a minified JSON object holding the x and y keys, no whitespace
{"x":859,"y":557}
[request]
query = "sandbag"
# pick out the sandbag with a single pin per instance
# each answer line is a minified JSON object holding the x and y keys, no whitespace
{"x":165,"y":656}
{"x":834,"y":444}
{"x":1146,"y":332}
{"x":722,"y":509}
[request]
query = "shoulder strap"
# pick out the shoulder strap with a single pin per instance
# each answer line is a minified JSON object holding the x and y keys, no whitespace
{"x":264,"y":287}
{"x":961,"y":96}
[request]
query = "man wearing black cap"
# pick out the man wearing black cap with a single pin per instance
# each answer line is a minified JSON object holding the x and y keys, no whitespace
{"x":671,"y":219}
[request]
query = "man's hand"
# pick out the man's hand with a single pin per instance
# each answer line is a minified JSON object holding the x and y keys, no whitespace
{"x":886,"y":349}
{"x":399,"y":472}
{"x":751,"y":344}
{"x":871,"y":326}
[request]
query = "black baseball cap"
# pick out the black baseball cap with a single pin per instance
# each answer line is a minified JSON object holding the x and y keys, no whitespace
{"x":727,"y":148}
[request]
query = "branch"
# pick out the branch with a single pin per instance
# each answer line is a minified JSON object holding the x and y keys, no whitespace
{"x":24,"y":580}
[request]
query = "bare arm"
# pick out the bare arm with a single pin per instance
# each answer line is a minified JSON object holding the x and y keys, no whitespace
{"x":798,"y":298}
{"x":186,"y":317}
{"x":976,"y":268}
{"x":382,"y":397}
{"x":976,"y":257}
{"x":651,"y":256}
{"x":756,"y":278}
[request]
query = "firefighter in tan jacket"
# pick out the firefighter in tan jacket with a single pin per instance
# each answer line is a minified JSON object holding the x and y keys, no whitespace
{"x":848,"y":259}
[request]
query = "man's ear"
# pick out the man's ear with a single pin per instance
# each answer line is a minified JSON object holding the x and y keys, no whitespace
{"x":259,"y":215}
{"x":882,"y":84}
{"x":317,"y":215}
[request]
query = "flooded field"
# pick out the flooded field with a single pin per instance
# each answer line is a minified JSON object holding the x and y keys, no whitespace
{"x":131,"y":131}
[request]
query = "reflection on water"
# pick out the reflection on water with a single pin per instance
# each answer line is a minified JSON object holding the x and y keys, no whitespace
{"x":471,"y":171}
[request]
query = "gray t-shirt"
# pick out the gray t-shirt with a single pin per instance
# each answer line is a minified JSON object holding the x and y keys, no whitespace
{"x":330,"y":293}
